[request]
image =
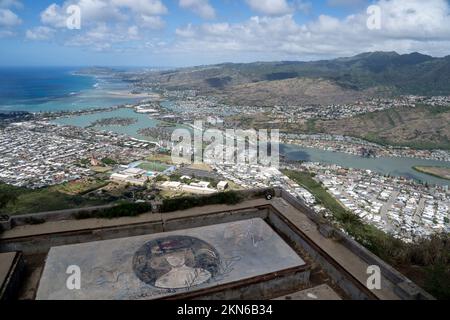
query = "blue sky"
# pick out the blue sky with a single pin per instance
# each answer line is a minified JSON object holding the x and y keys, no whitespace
{"x":193,"y":32}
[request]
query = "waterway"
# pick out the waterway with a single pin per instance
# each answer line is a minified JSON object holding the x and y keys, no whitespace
{"x":143,"y":121}
{"x":395,"y":166}
{"x":51,"y":89}
{"x":400,"y":166}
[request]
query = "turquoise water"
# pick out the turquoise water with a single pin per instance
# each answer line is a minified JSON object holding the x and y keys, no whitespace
{"x":143,"y":121}
{"x":399,"y":167}
{"x":52,"y":89}
{"x":57,"y":89}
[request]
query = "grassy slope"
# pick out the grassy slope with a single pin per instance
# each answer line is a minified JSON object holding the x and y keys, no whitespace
{"x":422,"y":128}
{"x":46,"y":199}
{"x":426,"y":262}
{"x":365,"y":234}
{"x":299,"y":91}
{"x":405,"y":74}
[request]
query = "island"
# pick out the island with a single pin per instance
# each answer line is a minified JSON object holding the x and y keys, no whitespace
{"x":115,"y":121}
{"x":439,"y":172}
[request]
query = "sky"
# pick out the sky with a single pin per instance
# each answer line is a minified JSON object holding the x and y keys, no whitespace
{"x":175,"y":33}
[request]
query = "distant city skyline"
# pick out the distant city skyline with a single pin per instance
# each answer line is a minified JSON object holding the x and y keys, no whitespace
{"x":177,"y":33}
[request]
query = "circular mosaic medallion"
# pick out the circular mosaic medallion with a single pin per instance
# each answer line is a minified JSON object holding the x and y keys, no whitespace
{"x":176,"y":262}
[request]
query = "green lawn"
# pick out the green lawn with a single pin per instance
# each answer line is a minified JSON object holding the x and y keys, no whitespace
{"x":153,"y":166}
{"x":41,"y":200}
{"x":80,"y":187}
{"x":160,"y":158}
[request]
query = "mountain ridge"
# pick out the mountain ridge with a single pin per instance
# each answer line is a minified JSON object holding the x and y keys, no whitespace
{"x":412,"y":73}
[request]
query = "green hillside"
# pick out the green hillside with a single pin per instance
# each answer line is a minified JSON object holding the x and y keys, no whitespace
{"x":413,"y":73}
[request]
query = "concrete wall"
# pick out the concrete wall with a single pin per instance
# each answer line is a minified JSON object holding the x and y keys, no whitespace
{"x":71,"y":214}
{"x":42,"y":243}
{"x":339,"y":276}
{"x":179,"y":223}
{"x":260,"y":288}
{"x":13,"y":280}
{"x":37,"y":218}
{"x":5,"y":223}
{"x":403,"y":287}
{"x":176,"y":221}
{"x":170,"y":222}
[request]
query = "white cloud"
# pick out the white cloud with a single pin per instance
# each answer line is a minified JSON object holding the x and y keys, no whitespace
{"x":105,"y":11}
{"x":302,"y":6}
{"x":54,"y":16}
{"x":92,"y":11}
{"x":6,"y":33}
{"x":336,"y":3}
{"x":152,"y":22}
{"x":415,"y":19}
{"x":147,"y":7}
{"x":8,"y":19}
{"x":102,"y":37}
{"x":40,"y":33}
{"x":133,"y":33}
{"x":199,"y":7}
{"x":106,"y":23}
{"x":10,"y":4}
{"x":270,"y":7}
{"x":407,"y":25}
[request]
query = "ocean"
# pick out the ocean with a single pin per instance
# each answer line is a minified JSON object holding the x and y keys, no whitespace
{"x":52,"y":89}
{"x":56,"y":89}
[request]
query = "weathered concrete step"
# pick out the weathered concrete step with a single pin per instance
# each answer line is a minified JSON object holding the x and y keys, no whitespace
{"x":321,"y":292}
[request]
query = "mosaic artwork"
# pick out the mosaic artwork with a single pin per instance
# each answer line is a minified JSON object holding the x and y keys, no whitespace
{"x":161,"y":265}
{"x":176,"y":262}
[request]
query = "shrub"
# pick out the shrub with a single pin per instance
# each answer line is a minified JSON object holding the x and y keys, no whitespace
{"x":430,"y":255}
{"x":33,"y":220}
{"x":183,"y":203}
{"x":437,"y":281}
{"x":121,"y":210}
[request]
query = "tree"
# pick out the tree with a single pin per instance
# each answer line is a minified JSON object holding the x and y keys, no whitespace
{"x":109,"y":161}
{"x":7,"y":197}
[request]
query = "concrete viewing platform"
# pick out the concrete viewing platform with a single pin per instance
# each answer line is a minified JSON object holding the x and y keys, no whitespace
{"x":321,"y":292}
{"x":295,"y":255}
{"x":185,"y":262}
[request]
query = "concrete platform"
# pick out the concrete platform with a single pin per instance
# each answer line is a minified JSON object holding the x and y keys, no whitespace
{"x":231,"y":260}
{"x":322,"y":292}
{"x":11,"y":268}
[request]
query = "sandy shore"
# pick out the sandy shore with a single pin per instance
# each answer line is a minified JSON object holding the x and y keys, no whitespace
{"x":128,"y":94}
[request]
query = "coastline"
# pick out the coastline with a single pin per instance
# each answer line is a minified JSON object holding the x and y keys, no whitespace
{"x":75,"y":91}
{"x":128,"y":94}
{"x":393,"y":166}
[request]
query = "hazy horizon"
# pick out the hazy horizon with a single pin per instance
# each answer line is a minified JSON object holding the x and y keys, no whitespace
{"x":204,"y":32}
{"x":199,"y":65}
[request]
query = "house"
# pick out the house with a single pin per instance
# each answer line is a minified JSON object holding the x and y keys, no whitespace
{"x":197,"y":190}
{"x":124,"y":178}
{"x":172,"y":185}
{"x":222,"y":185}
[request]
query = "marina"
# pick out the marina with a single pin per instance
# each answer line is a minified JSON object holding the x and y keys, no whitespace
{"x":398,"y":167}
